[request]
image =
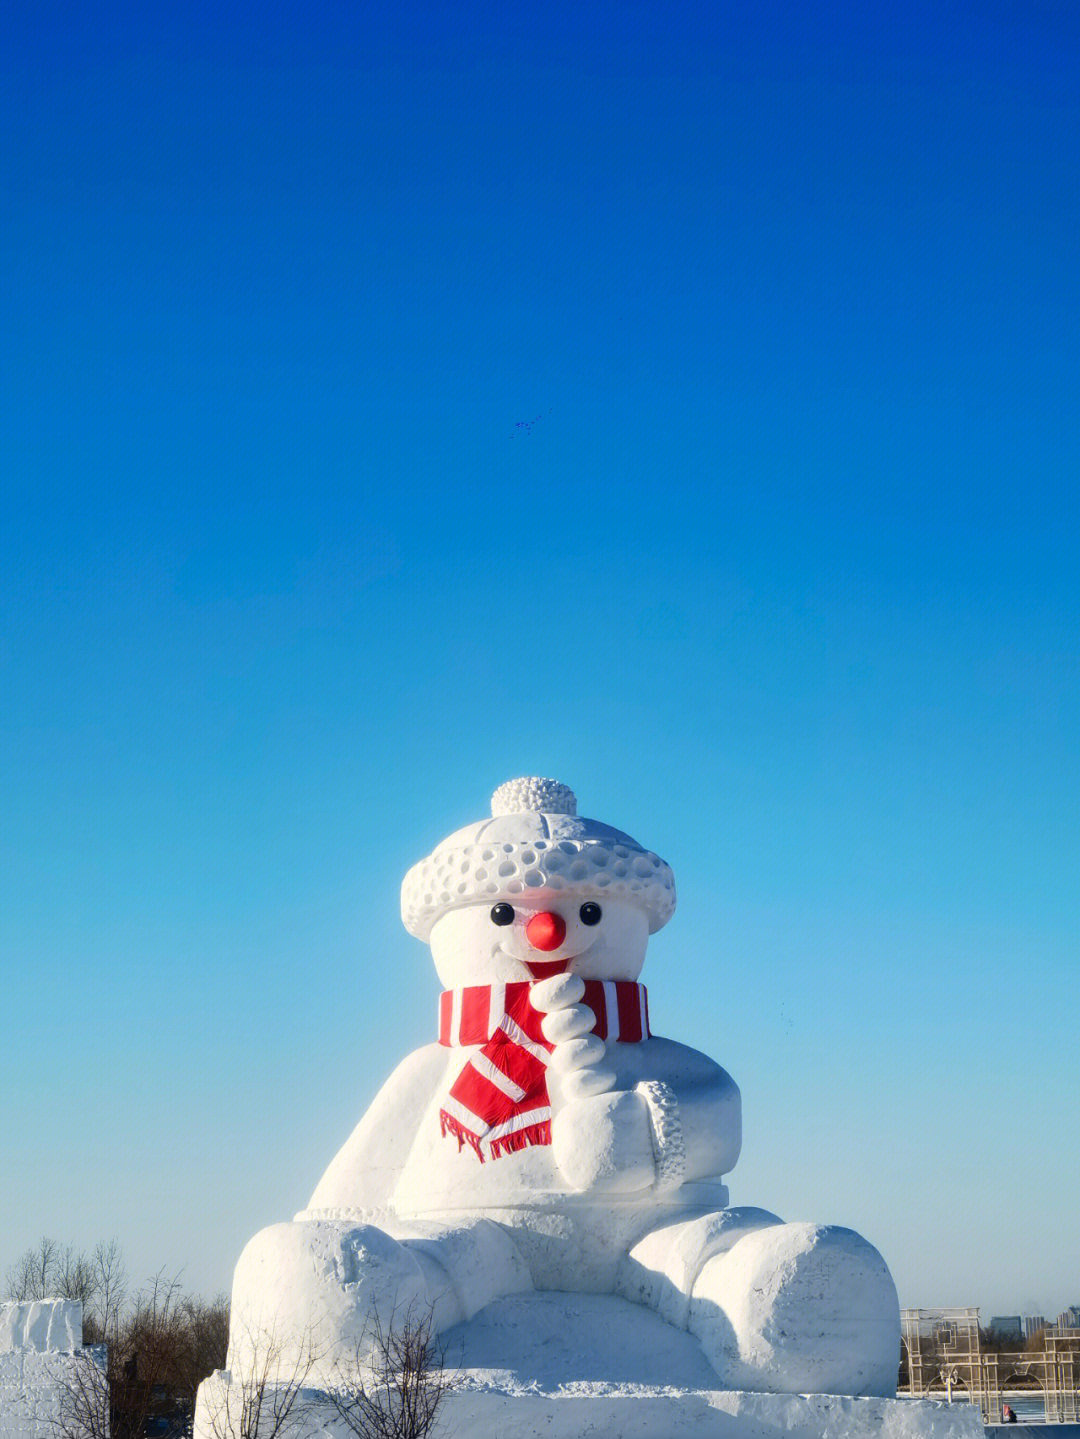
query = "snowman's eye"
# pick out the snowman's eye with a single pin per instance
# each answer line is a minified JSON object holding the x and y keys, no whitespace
{"x":589,"y":914}
{"x":502,"y":914}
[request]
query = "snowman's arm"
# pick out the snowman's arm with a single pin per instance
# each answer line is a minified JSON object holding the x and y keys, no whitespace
{"x":698,"y":1101}
{"x":365,"y":1170}
{"x":663,"y":1115}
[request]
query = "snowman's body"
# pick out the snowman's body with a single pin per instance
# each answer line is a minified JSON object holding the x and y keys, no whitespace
{"x":572,"y":1239}
{"x":528,"y":1151}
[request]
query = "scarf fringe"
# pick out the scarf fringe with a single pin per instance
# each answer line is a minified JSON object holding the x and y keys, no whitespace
{"x":539,"y":1133}
{"x":521,"y":1139}
{"x":464,"y":1136}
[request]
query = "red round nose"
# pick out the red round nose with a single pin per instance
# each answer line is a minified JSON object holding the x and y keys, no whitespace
{"x":546,"y":930}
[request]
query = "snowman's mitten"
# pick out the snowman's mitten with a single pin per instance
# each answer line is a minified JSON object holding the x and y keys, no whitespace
{"x":577,"y":1054}
{"x":604,"y":1143}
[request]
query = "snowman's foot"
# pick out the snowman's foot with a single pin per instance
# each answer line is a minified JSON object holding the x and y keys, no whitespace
{"x":799,"y":1309}
{"x":662,"y":1268}
{"x":474,"y":1261}
{"x":311,"y":1299}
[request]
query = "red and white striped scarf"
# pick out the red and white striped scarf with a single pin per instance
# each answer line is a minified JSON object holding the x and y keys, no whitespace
{"x":501,"y":1094}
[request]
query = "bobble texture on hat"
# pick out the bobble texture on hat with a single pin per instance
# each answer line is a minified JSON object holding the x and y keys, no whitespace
{"x":546,"y":796}
{"x":535,"y":844}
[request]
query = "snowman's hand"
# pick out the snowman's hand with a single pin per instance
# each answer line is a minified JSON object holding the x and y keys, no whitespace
{"x":561,"y":1025}
{"x":567,"y":1025}
{"x":603,"y":1143}
{"x":561,"y":990}
{"x":578,"y":1056}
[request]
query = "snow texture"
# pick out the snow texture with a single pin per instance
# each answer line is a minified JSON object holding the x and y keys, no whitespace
{"x":531,"y":792}
{"x":569,"y":1365}
{"x":40,"y":1345}
{"x":577,"y":1364}
{"x":523,"y":851}
{"x":49,"y":1326}
{"x":705,"y":1414}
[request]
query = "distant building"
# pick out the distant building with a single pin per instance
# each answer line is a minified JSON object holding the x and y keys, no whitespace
{"x":1033,"y":1323}
{"x":1007,"y":1326}
{"x":1069,"y":1318}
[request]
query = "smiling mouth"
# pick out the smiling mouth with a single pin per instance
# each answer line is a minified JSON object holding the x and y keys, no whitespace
{"x":545,"y":968}
{"x":539,"y":968}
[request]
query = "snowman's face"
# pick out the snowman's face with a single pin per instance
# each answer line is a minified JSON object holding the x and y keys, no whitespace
{"x":596,"y":937}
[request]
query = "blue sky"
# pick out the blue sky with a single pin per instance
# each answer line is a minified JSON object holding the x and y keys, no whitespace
{"x":678,"y":402}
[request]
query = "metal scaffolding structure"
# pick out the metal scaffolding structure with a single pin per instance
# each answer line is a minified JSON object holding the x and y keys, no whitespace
{"x":943,"y":1356}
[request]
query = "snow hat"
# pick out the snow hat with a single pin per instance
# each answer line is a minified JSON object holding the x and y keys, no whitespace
{"x":535,"y":840}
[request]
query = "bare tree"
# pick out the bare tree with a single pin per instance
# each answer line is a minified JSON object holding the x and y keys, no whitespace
{"x":111,"y":1393}
{"x":74,"y":1276}
{"x":159,"y":1347}
{"x":141,"y":1360}
{"x":32,"y":1275}
{"x":397,"y":1384}
{"x":84,"y":1410}
{"x":202,"y":1344}
{"x":265,"y":1397}
{"x":59,"y":1271}
{"x":110,"y":1289}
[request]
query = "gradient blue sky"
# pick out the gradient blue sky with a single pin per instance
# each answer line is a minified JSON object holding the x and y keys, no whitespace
{"x":681,"y":402}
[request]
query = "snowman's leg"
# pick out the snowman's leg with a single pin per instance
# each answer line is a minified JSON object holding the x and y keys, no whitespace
{"x":310,"y":1297}
{"x":797,"y":1309}
{"x":476,"y":1257}
{"x":662,"y":1267}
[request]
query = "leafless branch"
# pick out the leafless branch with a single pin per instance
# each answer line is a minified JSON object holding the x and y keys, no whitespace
{"x":397,"y":1382}
{"x":32,"y":1276}
{"x":74,"y":1276}
{"x":266,"y":1396}
{"x":84,"y":1410}
{"x":111,"y":1288}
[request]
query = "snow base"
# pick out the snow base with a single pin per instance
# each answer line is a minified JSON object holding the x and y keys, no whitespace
{"x":591,"y":1364}
{"x":712,"y":1414}
{"x":641,"y":1413}
{"x":574,"y":1365}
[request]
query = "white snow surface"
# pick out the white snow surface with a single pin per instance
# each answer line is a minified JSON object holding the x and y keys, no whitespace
{"x":48,"y":1326}
{"x":567,"y":1366}
{"x":705,"y":1414}
{"x":566,"y":1344}
{"x":40,"y":1345}
{"x":570,"y":1365}
{"x":633,"y":1414}
{"x":589,"y":1364}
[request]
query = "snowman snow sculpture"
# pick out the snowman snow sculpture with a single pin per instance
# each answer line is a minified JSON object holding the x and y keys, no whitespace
{"x":548,"y":1140}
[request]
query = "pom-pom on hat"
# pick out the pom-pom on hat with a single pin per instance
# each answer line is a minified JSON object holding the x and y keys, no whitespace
{"x":535,"y":841}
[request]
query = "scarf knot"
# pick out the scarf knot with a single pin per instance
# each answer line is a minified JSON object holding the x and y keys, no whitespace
{"x":500,"y":1096}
